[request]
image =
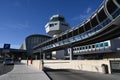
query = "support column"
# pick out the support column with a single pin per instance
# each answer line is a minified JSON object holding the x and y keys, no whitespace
{"x":41,"y":64}
{"x":43,"y":56}
{"x":36,"y":57}
{"x":40,"y":55}
{"x":71,"y":53}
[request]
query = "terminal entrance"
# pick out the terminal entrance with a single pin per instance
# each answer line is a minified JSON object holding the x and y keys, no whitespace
{"x":115,"y":66}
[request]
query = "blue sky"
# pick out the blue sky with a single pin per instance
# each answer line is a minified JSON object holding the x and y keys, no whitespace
{"x":21,"y":18}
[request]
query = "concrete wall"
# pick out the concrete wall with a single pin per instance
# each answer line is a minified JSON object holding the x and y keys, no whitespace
{"x":86,"y":65}
{"x":91,"y":65}
{"x":35,"y":63}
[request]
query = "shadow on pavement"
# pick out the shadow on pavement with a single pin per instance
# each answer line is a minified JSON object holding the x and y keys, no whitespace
{"x":5,"y":69}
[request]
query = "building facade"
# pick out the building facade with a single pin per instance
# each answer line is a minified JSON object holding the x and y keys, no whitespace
{"x":109,"y":49}
{"x":32,"y":41}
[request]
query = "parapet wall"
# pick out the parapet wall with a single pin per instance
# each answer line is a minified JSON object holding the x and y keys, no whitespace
{"x":91,"y":65}
{"x":86,"y":65}
{"x":35,"y":63}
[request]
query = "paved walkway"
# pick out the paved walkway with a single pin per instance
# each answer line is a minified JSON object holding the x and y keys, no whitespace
{"x":24,"y":72}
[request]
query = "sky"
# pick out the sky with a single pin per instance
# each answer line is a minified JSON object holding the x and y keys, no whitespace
{"x":21,"y":18}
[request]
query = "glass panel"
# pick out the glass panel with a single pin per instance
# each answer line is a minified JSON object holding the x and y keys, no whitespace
{"x":84,"y":35}
{"x":93,"y":46}
{"x":105,"y":22}
{"x":106,"y":44}
{"x":91,"y":32}
{"x":66,"y":41}
{"x":61,"y":43}
{"x":77,"y":37}
{"x":101,"y":44}
{"x":118,"y":1}
{"x":71,"y":39}
{"x":97,"y":45}
{"x":116,"y":13}
{"x":111,"y":7}
{"x":98,"y":28}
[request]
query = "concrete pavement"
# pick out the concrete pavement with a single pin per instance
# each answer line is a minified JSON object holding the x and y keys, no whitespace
{"x":5,"y":68}
{"x":24,"y":72}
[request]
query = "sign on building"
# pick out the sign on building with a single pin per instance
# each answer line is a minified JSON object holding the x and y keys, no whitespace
{"x":6,"y":48}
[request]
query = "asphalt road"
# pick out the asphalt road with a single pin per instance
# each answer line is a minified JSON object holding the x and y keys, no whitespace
{"x":5,"y":68}
{"x":78,"y":75}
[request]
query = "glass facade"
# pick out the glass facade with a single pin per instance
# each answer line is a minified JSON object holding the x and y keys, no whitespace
{"x":34,"y":40}
{"x":57,"y":19}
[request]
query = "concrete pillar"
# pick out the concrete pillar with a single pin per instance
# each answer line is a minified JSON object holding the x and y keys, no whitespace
{"x":36,"y":57}
{"x":43,"y":56}
{"x":41,"y":62}
{"x":71,"y":53}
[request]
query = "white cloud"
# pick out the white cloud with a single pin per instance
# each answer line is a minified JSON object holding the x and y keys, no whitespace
{"x":20,"y":26}
{"x":88,"y":10}
{"x":83,"y":16}
{"x":15,"y":26}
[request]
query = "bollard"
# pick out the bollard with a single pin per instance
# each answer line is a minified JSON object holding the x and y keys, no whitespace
{"x":31,"y":61}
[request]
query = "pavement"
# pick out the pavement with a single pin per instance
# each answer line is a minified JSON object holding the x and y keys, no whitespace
{"x":5,"y":68}
{"x":24,"y":72}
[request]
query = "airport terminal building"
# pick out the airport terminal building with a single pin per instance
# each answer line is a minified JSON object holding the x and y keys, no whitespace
{"x":31,"y":41}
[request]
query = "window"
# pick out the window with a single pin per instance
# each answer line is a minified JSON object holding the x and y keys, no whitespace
{"x":97,"y":45}
{"x":105,"y":44}
{"x":93,"y":46}
{"x":81,"y":29}
{"x":109,"y":5}
{"x":51,"y":25}
{"x":55,"y":23}
{"x":101,"y":15}
{"x":87,"y":26}
{"x":83,"y":47}
{"x":118,"y":1}
{"x":75,"y":32}
{"x":64,"y":24}
{"x":101,"y":44}
{"x":89,"y":46}
{"x":80,"y":48}
{"x":94,"y":22}
{"x":58,"y":19}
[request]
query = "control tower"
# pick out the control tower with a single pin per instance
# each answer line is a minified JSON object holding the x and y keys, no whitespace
{"x":56,"y":25}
